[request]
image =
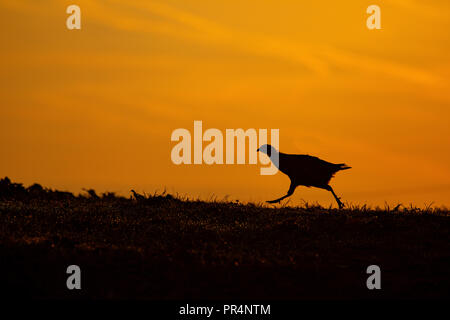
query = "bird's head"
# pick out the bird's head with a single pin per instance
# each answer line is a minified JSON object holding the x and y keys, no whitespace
{"x":267,"y":149}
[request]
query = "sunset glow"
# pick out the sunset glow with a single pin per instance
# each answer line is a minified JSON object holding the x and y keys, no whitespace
{"x":95,"y":108}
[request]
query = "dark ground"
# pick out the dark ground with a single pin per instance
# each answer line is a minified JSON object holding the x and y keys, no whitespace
{"x":165,"y":248}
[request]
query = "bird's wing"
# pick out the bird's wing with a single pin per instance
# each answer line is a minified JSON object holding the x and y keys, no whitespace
{"x":302,"y":164}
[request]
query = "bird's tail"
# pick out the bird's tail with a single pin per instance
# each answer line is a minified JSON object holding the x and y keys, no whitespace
{"x":343,"y":166}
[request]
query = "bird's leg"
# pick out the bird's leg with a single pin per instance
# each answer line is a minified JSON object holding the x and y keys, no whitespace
{"x":289,"y":193}
{"x":338,"y":200}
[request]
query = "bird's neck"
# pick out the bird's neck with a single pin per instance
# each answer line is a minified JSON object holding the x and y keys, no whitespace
{"x":275,"y":158}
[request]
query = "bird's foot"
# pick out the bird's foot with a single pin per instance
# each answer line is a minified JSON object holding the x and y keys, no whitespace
{"x":273,"y":201}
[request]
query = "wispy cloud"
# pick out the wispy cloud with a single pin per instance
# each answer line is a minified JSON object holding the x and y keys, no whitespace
{"x":319,"y":59}
{"x":181,"y":24}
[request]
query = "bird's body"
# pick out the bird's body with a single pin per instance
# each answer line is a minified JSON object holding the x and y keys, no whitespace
{"x":304,"y":170}
{"x":307,"y":170}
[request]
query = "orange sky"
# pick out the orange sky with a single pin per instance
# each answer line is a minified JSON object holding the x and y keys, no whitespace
{"x":95,"y":107}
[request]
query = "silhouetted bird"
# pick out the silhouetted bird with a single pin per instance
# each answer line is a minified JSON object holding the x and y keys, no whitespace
{"x":304,"y":170}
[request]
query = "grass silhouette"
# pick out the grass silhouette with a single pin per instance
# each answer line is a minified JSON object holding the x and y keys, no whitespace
{"x":167,"y":247}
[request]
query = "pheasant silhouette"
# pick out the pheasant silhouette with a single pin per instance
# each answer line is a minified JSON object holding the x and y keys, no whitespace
{"x":304,"y":170}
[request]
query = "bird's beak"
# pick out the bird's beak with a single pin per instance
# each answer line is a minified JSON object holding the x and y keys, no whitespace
{"x":257,"y":150}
